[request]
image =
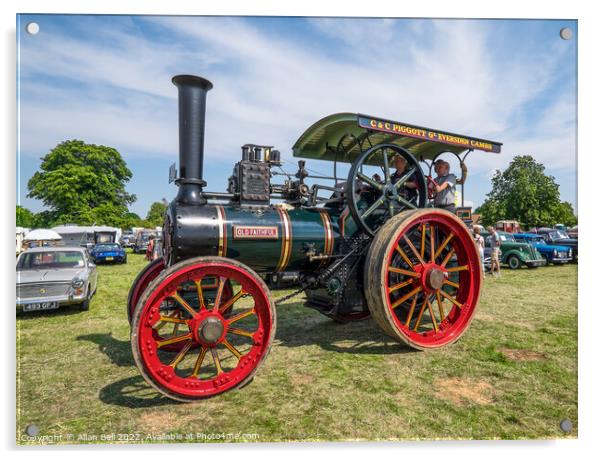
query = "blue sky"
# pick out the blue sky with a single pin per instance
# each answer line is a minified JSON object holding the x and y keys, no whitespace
{"x":106,"y":80}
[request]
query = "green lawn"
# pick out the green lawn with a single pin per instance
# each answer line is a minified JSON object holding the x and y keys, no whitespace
{"x":513,"y":374}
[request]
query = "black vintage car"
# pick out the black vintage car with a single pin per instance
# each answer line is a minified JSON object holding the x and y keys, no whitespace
{"x":558,"y":237}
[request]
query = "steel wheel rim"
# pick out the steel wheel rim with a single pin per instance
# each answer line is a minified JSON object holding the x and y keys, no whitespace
{"x":166,"y":374}
{"x":387,"y":190}
{"x":427,"y":314}
{"x":145,"y":277}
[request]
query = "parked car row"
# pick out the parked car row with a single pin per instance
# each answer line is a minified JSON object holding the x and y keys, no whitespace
{"x":532,"y":250}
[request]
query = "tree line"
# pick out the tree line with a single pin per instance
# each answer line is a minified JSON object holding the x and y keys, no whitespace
{"x":85,"y":184}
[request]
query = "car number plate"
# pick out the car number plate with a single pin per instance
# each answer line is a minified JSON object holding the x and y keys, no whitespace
{"x":109,"y":258}
{"x":40,"y":306}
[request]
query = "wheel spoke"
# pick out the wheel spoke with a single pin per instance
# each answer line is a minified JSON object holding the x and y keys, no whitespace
{"x":455,"y":269}
{"x":176,"y":339}
{"x":404,"y":256}
{"x":451,"y":298}
{"x":216,"y":362}
{"x":369,"y":181}
{"x":400,"y":285}
{"x":421,"y":313}
{"x":391,"y":209}
{"x":232,"y":349}
{"x":440,"y":304}
{"x":182,"y":302}
{"x":386,"y":168}
{"x":373,"y":207}
{"x":405,"y":202}
{"x":404,"y":178}
{"x":432,"y":234}
{"x":178,"y":358}
{"x":432,"y":314}
{"x":453,"y":284}
{"x":218,"y":295}
{"x":444,"y":244}
{"x":199,"y":290}
{"x":411,"y":311}
{"x":423,"y":240}
{"x":240,"y":316}
{"x":199,"y":362}
{"x":170,"y":319}
{"x":406,"y":297}
{"x":405,"y":272}
{"x":413,"y":249}
{"x":231,"y":301}
{"x":238,"y":331}
{"x":447,"y":258}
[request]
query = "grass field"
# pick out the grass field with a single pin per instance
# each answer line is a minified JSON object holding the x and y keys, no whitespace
{"x":513,"y":375}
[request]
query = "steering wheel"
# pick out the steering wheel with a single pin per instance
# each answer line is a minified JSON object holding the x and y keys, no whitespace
{"x":389,"y":197}
{"x":432,"y":190}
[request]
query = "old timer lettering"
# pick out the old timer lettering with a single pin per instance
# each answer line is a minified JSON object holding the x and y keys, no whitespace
{"x":255,"y":232}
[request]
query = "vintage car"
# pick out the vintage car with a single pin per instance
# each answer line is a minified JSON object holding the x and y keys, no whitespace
{"x":51,"y":277}
{"x":141,"y":241}
{"x":514,"y":254}
{"x":557,"y":237}
{"x":554,"y":254}
{"x":127,"y":239}
{"x":108,"y":253}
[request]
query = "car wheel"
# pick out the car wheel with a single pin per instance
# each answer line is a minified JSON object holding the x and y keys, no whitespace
{"x":513,"y":262}
{"x":85,"y":306}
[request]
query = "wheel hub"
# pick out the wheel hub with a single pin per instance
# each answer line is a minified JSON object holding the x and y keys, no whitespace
{"x":435,"y":277}
{"x":210,"y":330}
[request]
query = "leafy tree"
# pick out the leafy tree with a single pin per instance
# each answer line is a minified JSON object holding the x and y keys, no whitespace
{"x":525,"y":193}
{"x":82,"y":183}
{"x":25,"y":217}
{"x":156,"y":213}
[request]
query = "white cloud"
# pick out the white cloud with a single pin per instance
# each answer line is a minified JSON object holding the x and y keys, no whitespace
{"x":269,"y":88}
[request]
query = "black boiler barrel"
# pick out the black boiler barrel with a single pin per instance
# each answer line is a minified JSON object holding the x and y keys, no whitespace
{"x":192,"y":96}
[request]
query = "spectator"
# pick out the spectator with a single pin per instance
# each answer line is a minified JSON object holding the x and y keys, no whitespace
{"x":480,"y":243}
{"x":445,"y":187}
{"x":494,"y":242}
{"x":150,"y":248}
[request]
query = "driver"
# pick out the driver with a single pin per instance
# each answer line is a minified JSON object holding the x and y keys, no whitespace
{"x":410,"y":186}
{"x":445,"y":186}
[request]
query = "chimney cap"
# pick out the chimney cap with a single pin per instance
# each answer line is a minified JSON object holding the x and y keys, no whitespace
{"x":192,"y":80}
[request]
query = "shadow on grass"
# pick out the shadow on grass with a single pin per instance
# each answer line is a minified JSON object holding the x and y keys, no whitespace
{"x":362,"y":337}
{"x":133,"y":392}
{"x":120,"y":352}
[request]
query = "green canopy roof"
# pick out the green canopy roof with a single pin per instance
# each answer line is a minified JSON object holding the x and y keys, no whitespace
{"x":339,"y":137}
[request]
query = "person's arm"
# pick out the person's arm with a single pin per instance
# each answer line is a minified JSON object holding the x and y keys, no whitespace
{"x":449,"y":181}
{"x":411,"y":184}
{"x":440,"y":188}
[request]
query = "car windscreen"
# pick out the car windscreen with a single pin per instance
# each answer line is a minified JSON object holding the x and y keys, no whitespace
{"x":50,"y":260}
{"x":106,"y":247}
{"x":555,"y":235}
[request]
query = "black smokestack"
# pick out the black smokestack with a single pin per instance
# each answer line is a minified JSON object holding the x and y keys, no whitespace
{"x":192,"y":95}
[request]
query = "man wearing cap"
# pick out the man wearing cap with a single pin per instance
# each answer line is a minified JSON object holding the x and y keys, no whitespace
{"x":445,"y":186}
{"x":410,"y":186}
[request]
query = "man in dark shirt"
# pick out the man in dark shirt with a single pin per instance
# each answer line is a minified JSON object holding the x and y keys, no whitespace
{"x":409,"y":188}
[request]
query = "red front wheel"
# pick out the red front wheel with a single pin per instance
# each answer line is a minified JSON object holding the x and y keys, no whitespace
{"x":423,"y":280}
{"x":222,"y":341}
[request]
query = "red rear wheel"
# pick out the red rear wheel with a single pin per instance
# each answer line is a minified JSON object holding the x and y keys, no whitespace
{"x":222,"y":341}
{"x":423,"y":280}
{"x":144,"y":277}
